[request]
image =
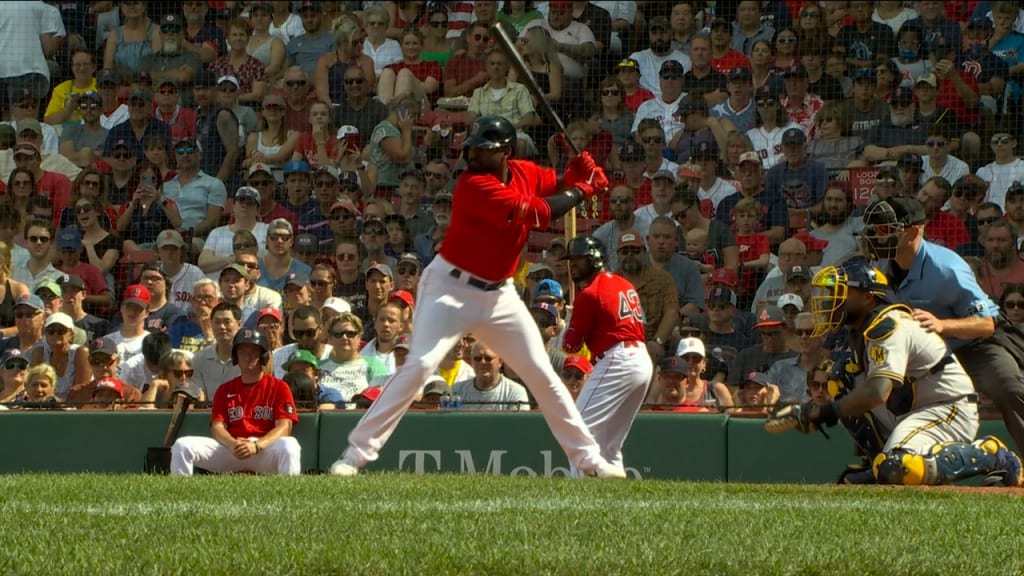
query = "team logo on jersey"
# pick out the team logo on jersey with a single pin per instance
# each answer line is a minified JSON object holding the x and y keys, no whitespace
{"x":878,"y":354}
{"x":289,"y":409}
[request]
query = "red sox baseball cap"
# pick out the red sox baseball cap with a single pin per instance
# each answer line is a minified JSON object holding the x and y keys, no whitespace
{"x":403,"y":296}
{"x":102,"y":346}
{"x":110,"y":384}
{"x":272,"y":312}
{"x":769,"y":316}
{"x":578,"y":362}
{"x":137,"y":294}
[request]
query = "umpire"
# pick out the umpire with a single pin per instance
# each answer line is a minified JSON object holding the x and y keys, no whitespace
{"x":941,"y":288}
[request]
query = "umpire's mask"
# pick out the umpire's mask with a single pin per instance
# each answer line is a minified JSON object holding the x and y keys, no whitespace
{"x":882,"y":231}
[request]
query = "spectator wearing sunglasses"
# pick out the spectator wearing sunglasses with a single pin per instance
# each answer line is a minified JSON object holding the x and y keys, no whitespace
{"x":82,"y":142}
{"x":346,"y":370}
{"x":104,"y":363}
{"x":69,"y":360}
{"x":790,"y":374}
{"x":381,"y":49}
{"x":466,"y":71}
{"x":1012,"y":303}
{"x":968,"y":195}
{"x":306,"y":328}
{"x":1005,"y":170}
{"x":359,"y":108}
{"x":664,"y":108}
{"x":489,"y":389}
{"x":173,"y":369}
{"x":574,"y":371}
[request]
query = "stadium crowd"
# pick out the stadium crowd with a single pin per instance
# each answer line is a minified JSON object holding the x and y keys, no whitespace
{"x":174,"y":172}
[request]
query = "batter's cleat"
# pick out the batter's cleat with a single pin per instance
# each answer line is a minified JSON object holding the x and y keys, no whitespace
{"x":342,"y":468}
{"x":1009,"y":471}
{"x":606,"y":470}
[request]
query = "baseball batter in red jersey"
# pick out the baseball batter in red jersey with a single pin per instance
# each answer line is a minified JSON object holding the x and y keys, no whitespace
{"x":468,"y":288}
{"x":251,"y":421}
{"x":607,"y":317}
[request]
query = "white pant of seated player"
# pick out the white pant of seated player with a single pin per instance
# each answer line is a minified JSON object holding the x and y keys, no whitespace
{"x":447,"y":309}
{"x":282,"y":457}
{"x":612,"y":396}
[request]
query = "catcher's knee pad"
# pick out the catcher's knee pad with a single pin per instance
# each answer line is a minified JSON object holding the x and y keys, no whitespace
{"x":948,"y":462}
{"x":899,"y":467}
{"x":956,"y":460}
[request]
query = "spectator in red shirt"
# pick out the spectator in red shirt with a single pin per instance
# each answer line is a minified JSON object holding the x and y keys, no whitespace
{"x":943,"y":228}
{"x":723,"y":57}
{"x":251,"y":421}
{"x":69,"y":253}
{"x":55,"y":187}
{"x":628,"y":72}
{"x":467,"y":71}
{"x":249,"y":71}
{"x":412,"y":75}
{"x":754,"y":248}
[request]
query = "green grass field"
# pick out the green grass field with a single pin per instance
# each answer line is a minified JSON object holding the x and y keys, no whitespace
{"x":440,"y":524}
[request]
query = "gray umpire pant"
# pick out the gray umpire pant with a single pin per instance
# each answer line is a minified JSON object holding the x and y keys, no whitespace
{"x":996,"y":374}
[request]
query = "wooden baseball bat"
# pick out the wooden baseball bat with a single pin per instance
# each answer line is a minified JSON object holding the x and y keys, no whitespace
{"x":181,"y":404}
{"x":525,"y":77}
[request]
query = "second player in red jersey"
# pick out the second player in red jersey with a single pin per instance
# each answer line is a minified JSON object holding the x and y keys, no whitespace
{"x":608,"y":318}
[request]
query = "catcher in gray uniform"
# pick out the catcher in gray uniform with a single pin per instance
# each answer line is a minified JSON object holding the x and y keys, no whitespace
{"x":913,"y":373}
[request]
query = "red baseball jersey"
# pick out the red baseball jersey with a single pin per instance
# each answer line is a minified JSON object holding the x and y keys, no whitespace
{"x":491,"y":220}
{"x":251,"y":409}
{"x":606,"y":311}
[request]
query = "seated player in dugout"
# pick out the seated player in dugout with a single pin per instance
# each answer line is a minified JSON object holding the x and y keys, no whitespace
{"x":909,"y":370}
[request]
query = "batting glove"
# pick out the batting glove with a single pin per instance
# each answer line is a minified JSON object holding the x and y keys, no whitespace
{"x":586,"y":176}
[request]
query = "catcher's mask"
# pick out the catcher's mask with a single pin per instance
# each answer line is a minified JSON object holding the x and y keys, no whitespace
{"x":882,"y":231}
{"x":831,"y":287}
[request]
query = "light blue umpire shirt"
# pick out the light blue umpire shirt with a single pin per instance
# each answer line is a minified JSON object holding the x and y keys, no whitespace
{"x":941,"y":282}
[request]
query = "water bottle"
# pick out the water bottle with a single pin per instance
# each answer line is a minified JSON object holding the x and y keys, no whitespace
{"x":456,"y":401}
{"x":446,"y":401}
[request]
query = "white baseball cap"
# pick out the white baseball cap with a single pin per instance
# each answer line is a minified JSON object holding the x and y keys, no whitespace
{"x":791,"y":299}
{"x":690,"y":346}
{"x":61,"y":319}
{"x":339,"y":305}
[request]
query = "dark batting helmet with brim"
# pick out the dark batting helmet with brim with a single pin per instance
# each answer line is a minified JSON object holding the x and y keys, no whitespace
{"x":587,"y":246}
{"x":250,"y":336}
{"x":490,"y":132}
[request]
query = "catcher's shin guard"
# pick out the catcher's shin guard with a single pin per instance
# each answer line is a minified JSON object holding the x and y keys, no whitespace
{"x":949,"y":462}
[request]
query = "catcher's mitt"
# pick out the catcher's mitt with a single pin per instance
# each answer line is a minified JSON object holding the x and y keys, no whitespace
{"x":790,"y":417}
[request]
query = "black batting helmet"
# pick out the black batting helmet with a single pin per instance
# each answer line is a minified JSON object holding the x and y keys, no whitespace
{"x":491,"y":132}
{"x":250,"y":336}
{"x":587,"y":246}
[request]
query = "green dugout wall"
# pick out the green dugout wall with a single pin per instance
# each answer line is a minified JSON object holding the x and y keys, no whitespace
{"x":660,"y":446}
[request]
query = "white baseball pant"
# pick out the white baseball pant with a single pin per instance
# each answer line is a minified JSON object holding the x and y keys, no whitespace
{"x":923,"y":428}
{"x":612,"y":396}
{"x":447,"y":308}
{"x":283,"y":457}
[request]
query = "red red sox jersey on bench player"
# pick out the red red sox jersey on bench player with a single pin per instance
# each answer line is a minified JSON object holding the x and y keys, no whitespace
{"x":606,"y":311}
{"x":518,"y":210}
{"x":250,"y":410}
